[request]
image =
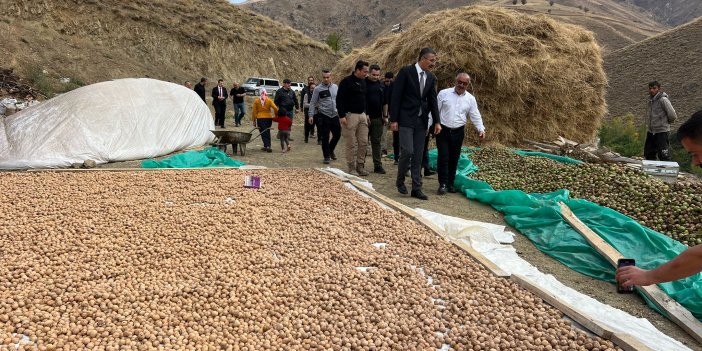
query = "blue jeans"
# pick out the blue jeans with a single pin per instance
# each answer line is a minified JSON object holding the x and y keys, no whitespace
{"x":239,"y":112}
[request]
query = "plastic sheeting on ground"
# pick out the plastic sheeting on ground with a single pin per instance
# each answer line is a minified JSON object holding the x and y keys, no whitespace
{"x":210,"y":157}
{"x":538,"y":217}
{"x":489,"y":239}
{"x":120,"y":120}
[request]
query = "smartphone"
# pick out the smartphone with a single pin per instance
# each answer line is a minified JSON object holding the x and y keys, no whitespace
{"x":622,"y":263}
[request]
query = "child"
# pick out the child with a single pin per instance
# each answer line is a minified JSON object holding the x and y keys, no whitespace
{"x":284,"y":124}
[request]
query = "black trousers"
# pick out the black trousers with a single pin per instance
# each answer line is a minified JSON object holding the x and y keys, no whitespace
{"x":309,"y":127}
{"x":449,"y":143}
{"x":657,"y":145}
{"x":220,"y":109}
{"x":412,"y":141}
{"x":262,"y":124}
{"x":425,"y":153}
{"x":396,"y":144}
{"x":329,"y":126}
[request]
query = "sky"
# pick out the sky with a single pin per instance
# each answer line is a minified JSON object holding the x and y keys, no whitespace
{"x":236,"y":1}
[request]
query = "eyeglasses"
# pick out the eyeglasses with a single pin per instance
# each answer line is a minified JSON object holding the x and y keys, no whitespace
{"x":460,"y":82}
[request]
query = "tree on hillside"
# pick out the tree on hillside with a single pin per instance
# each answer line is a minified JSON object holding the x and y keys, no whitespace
{"x":550,"y":3}
{"x":524,"y":2}
{"x":514,"y":2}
{"x":334,"y":41}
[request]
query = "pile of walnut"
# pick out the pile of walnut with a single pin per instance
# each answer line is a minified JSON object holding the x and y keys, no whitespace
{"x":191,"y":260}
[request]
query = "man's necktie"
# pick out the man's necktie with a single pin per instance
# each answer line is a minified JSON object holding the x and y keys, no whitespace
{"x":421,"y":82}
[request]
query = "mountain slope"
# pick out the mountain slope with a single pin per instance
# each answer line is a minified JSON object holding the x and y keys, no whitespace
{"x":673,"y":58}
{"x":174,"y":40}
{"x":672,"y":12}
{"x":615,"y":24}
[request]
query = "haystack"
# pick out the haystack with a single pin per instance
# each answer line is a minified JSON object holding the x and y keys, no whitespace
{"x":534,"y":78}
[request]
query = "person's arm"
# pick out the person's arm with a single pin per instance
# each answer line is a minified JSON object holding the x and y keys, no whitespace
{"x":340,"y":96}
{"x":434,"y":107}
{"x":398,"y":87}
{"x":294,"y":97}
{"x":475,"y":117}
{"x":214,"y":93}
{"x":278,"y":96}
{"x":274,"y":107}
{"x":313,"y":102}
{"x":669,"y":110}
{"x":684,"y":265}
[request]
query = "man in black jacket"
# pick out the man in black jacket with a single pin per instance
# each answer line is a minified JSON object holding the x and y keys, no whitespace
{"x":413,"y":97}
{"x":200,"y":89}
{"x":351,"y":104}
{"x":287,"y":99}
{"x":375,"y":102}
{"x":219,"y":101}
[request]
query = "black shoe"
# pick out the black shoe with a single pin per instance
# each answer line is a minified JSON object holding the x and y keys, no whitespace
{"x":333,"y":156}
{"x":451,"y":189}
{"x":269,"y":150}
{"x":419,"y":194}
{"x":428,"y":173}
{"x":326,"y":161}
{"x":395,"y":163}
{"x":379,"y":170}
{"x":305,"y":141}
{"x":442,"y":189}
{"x":402,"y":189}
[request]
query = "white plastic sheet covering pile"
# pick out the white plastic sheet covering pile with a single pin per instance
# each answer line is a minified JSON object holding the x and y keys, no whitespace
{"x":120,"y":120}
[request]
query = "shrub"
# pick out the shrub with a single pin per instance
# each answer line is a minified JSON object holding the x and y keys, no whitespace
{"x":524,"y":2}
{"x":334,"y":41}
{"x":622,"y":135}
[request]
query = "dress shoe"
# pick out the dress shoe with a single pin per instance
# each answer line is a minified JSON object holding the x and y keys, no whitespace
{"x":264,"y":149}
{"x":326,"y":161}
{"x":442,"y":189}
{"x":269,"y":150}
{"x":333,"y":156}
{"x":402,"y":189}
{"x":428,"y":173}
{"x":379,"y":170}
{"x":451,"y":189}
{"x":419,"y":194}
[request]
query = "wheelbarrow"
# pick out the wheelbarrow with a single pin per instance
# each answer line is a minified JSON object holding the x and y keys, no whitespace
{"x":238,"y":140}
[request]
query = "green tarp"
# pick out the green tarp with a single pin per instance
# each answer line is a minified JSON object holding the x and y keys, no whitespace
{"x":210,"y":157}
{"x":537,"y":216}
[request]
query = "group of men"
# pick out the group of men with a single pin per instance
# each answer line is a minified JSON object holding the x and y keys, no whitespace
{"x":413,"y":109}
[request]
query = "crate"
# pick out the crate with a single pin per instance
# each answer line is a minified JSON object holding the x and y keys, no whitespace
{"x":663,"y":170}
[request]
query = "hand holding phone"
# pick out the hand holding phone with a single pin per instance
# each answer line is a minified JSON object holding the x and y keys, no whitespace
{"x":623,"y":262}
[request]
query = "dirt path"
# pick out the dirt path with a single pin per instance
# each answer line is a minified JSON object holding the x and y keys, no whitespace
{"x":310,"y":156}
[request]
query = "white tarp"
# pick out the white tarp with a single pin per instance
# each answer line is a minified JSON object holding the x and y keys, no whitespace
{"x":490,"y":239}
{"x":120,"y":120}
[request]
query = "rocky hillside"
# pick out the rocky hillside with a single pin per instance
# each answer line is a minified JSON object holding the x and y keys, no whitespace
{"x":615,"y":24}
{"x":674,"y":58}
{"x":174,"y":40}
{"x":671,"y":12}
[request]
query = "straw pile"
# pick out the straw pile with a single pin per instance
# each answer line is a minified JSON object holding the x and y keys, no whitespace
{"x":534,"y":78}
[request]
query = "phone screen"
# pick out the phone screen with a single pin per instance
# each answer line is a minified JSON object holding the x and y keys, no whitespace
{"x":622,"y":263}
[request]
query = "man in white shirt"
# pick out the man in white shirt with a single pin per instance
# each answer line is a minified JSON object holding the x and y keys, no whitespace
{"x":455,"y":104}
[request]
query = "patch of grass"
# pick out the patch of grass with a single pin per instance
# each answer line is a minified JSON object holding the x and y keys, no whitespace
{"x":39,"y":80}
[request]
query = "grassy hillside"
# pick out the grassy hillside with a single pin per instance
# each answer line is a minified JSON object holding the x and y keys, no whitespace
{"x":673,"y":58}
{"x":672,"y":12}
{"x":614,"y":23}
{"x":175,"y":40}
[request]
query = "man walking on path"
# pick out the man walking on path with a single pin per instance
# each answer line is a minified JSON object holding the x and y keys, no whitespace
{"x":660,"y":115}
{"x":454,"y":104}
{"x":375,"y":102}
{"x":323,"y":106}
{"x":305,"y":96}
{"x":238,"y":93}
{"x":286,"y":98}
{"x":413,"y":98}
{"x":219,"y":101}
{"x":351,"y":104}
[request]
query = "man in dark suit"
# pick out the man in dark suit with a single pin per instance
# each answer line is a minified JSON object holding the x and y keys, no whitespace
{"x":219,"y":101}
{"x":413,"y":97}
{"x":200,"y":89}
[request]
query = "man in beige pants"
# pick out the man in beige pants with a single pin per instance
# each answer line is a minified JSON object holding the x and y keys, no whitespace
{"x":351,"y":104}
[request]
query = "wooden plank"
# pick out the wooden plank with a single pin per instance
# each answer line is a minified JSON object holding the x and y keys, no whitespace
{"x":623,"y":340}
{"x":676,"y":312}
{"x":484,"y":261}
